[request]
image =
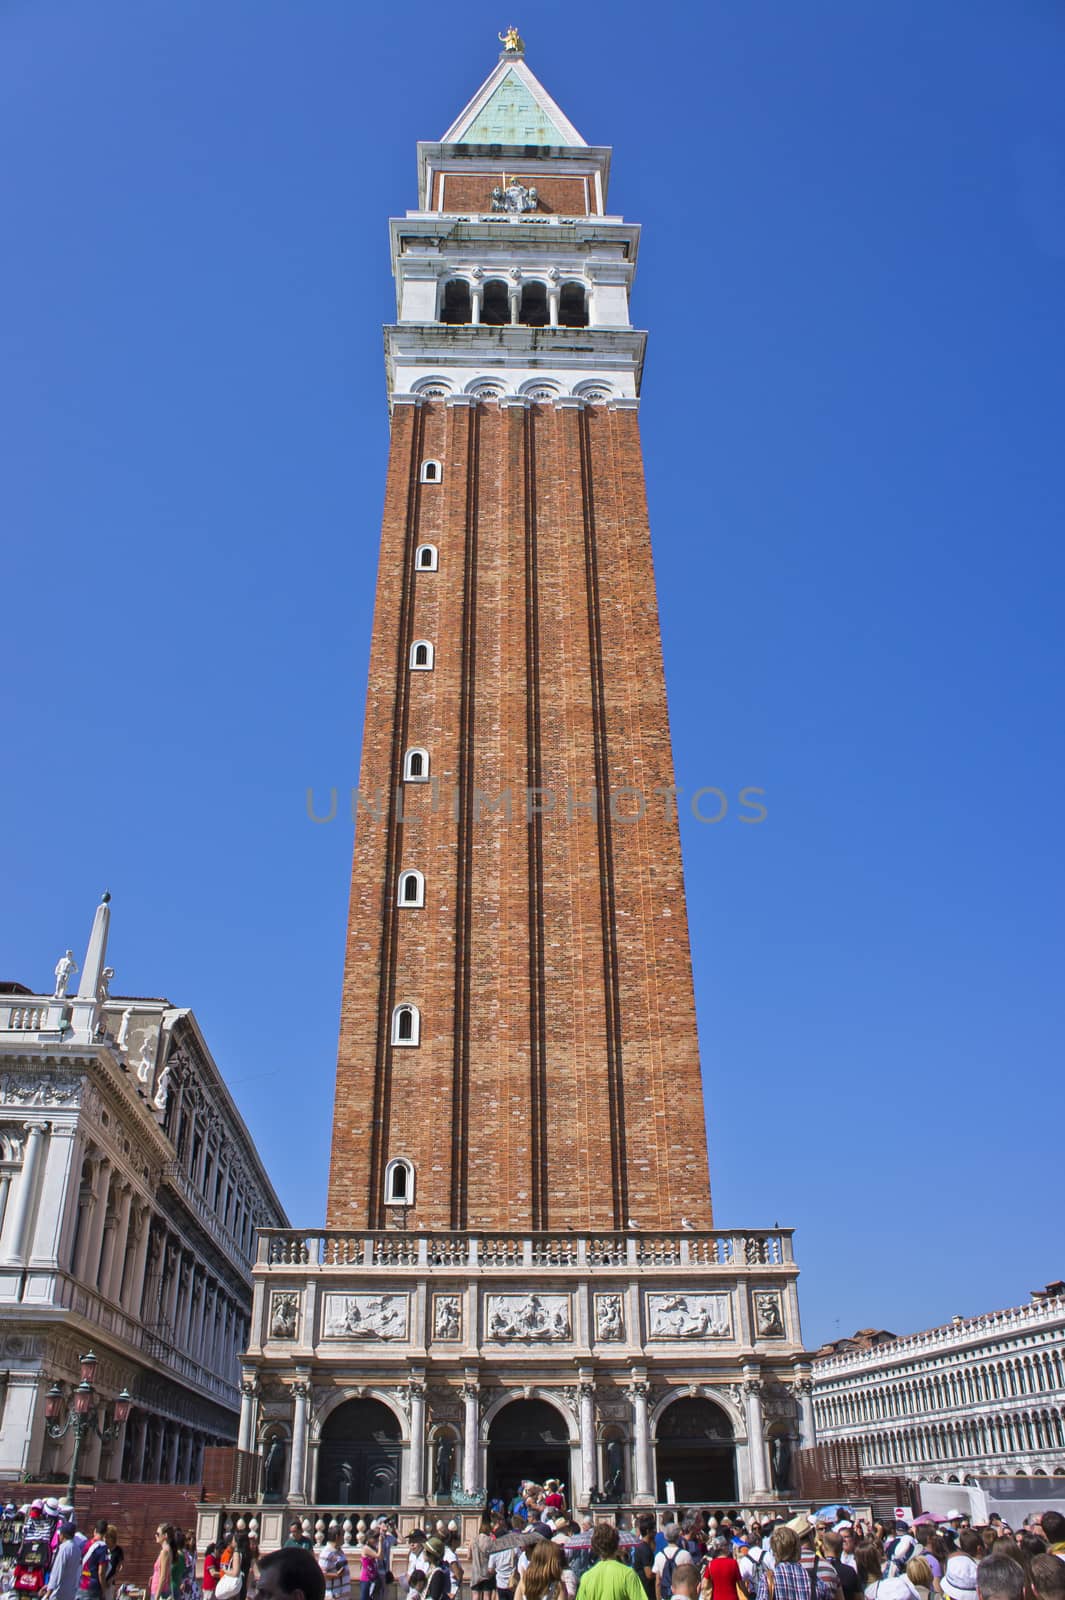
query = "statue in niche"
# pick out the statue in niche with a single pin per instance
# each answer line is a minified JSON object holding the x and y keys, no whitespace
{"x":780,"y":1459}
{"x":615,"y":1470}
{"x":445,"y":1462}
{"x":274,"y":1468}
{"x":608,"y":1316}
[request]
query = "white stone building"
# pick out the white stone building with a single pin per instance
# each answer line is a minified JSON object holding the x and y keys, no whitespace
{"x":130,"y":1192}
{"x":981,"y":1396}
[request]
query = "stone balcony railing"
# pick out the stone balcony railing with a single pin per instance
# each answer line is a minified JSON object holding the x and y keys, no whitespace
{"x":992,"y":1325}
{"x":491,"y":1252}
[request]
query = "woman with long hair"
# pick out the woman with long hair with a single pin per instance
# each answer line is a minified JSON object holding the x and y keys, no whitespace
{"x":162,"y":1572}
{"x":542,"y":1578}
{"x":869,"y":1559}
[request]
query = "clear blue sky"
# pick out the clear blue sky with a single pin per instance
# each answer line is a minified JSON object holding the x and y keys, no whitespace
{"x":852,"y":272}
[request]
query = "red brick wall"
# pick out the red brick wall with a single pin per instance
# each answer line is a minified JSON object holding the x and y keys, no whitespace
{"x":559,"y":1062}
{"x":136,"y":1509}
{"x":472,"y":192}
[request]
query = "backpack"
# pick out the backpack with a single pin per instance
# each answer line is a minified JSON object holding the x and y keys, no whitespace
{"x":665,"y":1577}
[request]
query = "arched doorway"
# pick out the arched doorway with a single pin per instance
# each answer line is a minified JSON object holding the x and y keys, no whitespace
{"x":694,"y":1449}
{"x":526,"y":1439}
{"x":359,"y":1456}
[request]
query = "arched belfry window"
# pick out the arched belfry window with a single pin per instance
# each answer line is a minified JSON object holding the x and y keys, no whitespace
{"x":533,"y":311}
{"x":416,"y":765}
{"x":406,"y":1025}
{"x":455,"y":302}
{"x":426,"y":558}
{"x":421,"y":656}
{"x":432,"y":472}
{"x":399,"y":1182}
{"x":572,"y":306}
{"x":411,"y":888}
{"x":495,"y":304}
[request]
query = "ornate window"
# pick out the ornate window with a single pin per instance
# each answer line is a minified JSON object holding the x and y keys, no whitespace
{"x":421,"y":656}
{"x":399,"y":1182}
{"x":432,"y":472}
{"x":416,"y":766}
{"x":425,"y":558}
{"x":406,"y":1025}
{"x":411,"y":888}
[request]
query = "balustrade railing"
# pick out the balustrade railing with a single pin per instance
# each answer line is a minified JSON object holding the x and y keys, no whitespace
{"x":293,"y":1247}
{"x":990,"y":1325}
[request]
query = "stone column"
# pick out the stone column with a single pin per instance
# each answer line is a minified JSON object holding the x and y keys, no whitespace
{"x":113,"y":1287}
{"x":554,"y":290}
{"x":170,"y":1298}
{"x":416,"y":1475}
{"x":95,"y":1223}
{"x":140,"y":1439}
{"x":803,"y":1390}
{"x":107,"y":1245}
{"x":26,"y":1193}
{"x":173,"y":1445}
{"x":586,"y":1399}
{"x":249,"y":1388}
{"x":5,"y":1186}
{"x":470,"y":1433}
{"x":641,"y":1434}
{"x":752,"y":1397}
{"x":476,"y":302}
{"x":297,"y":1488}
{"x":514,"y":298}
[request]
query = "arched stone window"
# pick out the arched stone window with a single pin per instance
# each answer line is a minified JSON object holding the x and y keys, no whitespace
{"x":421,"y":656}
{"x":411,"y":890}
{"x":431,"y":472}
{"x":572,"y":306}
{"x":495,"y":304}
{"x":416,"y":766}
{"x":425,"y":558}
{"x":406,"y":1025}
{"x":533,"y":311}
{"x":399,"y":1182}
{"x":455,"y":302}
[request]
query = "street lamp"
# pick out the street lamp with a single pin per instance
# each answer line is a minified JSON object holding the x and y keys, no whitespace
{"x":83,"y":1415}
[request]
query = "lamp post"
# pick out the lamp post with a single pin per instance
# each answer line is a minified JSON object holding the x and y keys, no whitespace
{"x":83,"y":1415}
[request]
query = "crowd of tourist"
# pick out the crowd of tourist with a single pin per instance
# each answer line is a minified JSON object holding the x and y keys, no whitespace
{"x":533,"y":1549}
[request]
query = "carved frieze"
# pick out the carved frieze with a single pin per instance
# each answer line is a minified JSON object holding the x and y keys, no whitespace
{"x":533,"y":1318}
{"x":688,"y":1316}
{"x":23,"y":1089}
{"x":284,"y":1314}
{"x":447,"y":1317}
{"x":365,"y":1316}
{"x":768,"y":1314}
{"x":609,"y":1319}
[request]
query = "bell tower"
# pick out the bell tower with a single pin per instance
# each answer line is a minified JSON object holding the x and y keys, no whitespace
{"x":518,"y":1019}
{"x":519,"y":1272}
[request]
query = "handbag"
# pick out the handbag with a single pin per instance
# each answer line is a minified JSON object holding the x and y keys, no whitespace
{"x":228,"y":1586}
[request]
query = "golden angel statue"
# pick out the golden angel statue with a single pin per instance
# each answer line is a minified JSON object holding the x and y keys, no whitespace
{"x":511,"y":40}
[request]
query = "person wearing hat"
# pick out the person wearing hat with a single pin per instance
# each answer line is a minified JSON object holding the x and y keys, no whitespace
{"x":806,"y":1532}
{"x":439,"y":1586}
